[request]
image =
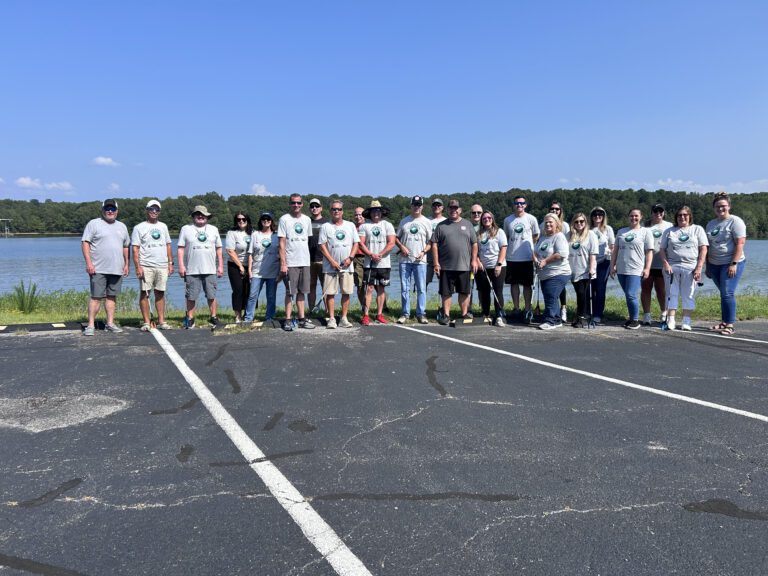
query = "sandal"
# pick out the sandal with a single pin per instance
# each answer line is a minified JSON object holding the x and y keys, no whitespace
{"x":728,"y":330}
{"x":145,"y":327}
{"x":718,"y":327}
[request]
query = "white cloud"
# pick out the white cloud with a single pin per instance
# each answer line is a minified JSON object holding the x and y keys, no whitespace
{"x":104,"y":161}
{"x":113,"y":187}
{"x":260,"y":190}
{"x":680,"y":185}
{"x":2,"y":181}
{"x":28,"y":183}
{"x":574,"y":180}
{"x":61,"y":186}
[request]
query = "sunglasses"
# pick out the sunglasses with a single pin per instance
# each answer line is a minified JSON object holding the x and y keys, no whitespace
{"x":266,"y":219}
{"x":296,"y":203}
{"x":198,"y":215}
{"x":579,"y":221}
{"x":453,"y":207}
{"x":153,"y":209}
{"x":337,"y":209}
{"x":555,"y":209}
{"x":598,"y":215}
{"x":520,"y":203}
{"x":313,"y":206}
{"x":110,"y":209}
{"x":683,"y":215}
{"x":476,"y":213}
{"x":242,"y":220}
{"x":434,"y":204}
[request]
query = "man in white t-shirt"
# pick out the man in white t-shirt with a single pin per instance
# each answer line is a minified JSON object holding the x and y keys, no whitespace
{"x":338,"y":242}
{"x":105,"y":249}
{"x":152,"y":259}
{"x":377,"y":239}
{"x":413,"y":239}
{"x":293,"y":231}
{"x":522,"y":232}
{"x":201,"y":263}
{"x":437,"y":217}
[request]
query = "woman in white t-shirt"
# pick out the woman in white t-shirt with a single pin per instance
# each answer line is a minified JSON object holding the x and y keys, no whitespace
{"x":263,"y":265}
{"x":551,"y":260}
{"x":492,"y":254}
{"x":631,"y":261}
{"x":598,"y":224}
{"x":237,"y":242}
{"x":582,"y":257}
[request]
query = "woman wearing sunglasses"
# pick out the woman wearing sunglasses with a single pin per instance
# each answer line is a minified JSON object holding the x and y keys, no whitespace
{"x":492,"y":254}
{"x":605,"y":241}
{"x":631,"y":261}
{"x":237,"y":242}
{"x":263,"y":266}
{"x":582,"y":257}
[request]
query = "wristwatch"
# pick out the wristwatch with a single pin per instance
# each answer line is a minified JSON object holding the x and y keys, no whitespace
{"x":734,"y":263}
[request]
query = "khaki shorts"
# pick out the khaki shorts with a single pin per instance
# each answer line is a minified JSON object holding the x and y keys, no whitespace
{"x":154,"y":279}
{"x":333,"y":279}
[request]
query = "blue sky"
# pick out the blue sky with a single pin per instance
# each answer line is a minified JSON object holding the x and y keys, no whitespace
{"x":141,"y":98}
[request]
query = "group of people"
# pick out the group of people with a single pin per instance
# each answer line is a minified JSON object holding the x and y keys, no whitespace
{"x":354,"y":257}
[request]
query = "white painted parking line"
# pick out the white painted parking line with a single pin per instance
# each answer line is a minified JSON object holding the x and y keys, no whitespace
{"x":316,"y":530}
{"x":716,"y":335}
{"x":595,"y":376}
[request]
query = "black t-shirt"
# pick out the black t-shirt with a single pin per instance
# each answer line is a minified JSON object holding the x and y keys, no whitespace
{"x":315,"y":255}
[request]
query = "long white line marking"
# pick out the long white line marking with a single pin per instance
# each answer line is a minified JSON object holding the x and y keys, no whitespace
{"x":317,"y":530}
{"x":664,"y":393}
{"x":700,"y":333}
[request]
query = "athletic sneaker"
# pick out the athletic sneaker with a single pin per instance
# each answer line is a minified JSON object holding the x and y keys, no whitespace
{"x":632,"y":325}
{"x":647,"y":319}
{"x":213,"y":321}
{"x":444,"y":319}
{"x":331,"y":323}
{"x":486,"y":320}
{"x":548,"y":326}
{"x":164,"y":326}
{"x":663,"y":316}
{"x":686,"y":327}
{"x":306,"y":323}
{"x":468,"y":316}
{"x":422,"y":320}
{"x":145,"y":327}
{"x":366,"y":321}
{"x":381,"y":320}
{"x":344,"y":323}
{"x":402,"y":319}
{"x":564,"y":314}
{"x":288,"y":326}
{"x":114,"y":328}
{"x":597,"y":319}
{"x":189,"y":322}
{"x":500,"y":321}
{"x":89,"y":331}
{"x":671,"y":323}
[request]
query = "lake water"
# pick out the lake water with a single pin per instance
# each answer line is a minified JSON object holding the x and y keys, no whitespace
{"x":56,"y":263}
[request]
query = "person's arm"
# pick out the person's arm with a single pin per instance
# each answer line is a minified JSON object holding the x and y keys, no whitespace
{"x":400,"y":246}
{"x":136,"y":263}
{"x":664,"y":262}
{"x":180,"y":260}
{"x":435,"y":259}
{"x":126,"y":261}
{"x":327,"y":255}
{"x":233,"y":258}
{"x":390,"y":245}
{"x":281,"y":251}
{"x":700,"y":262}
{"x":170,"y":258}
{"x":89,"y":267}
{"x":614,"y":257}
{"x":475,"y":263}
{"x":220,"y":259}
{"x":497,"y":269}
{"x":648,"y":260}
{"x":592,"y":266}
{"x":738,"y":252}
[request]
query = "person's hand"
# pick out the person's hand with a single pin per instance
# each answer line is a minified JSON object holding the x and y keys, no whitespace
{"x":182,"y":270}
{"x":497,"y":270}
{"x":139,"y":272}
{"x":284,"y":269}
{"x":437,"y":269}
{"x":220,"y":271}
{"x":592,"y":274}
{"x":697,"y":274}
{"x":126,"y":270}
{"x":405,"y":252}
{"x":170,"y":268}
{"x":668,"y":268}
{"x":646,"y":273}
{"x":91,"y":269}
{"x":732,"y":270}
{"x":376,"y":258}
{"x":613,"y":271}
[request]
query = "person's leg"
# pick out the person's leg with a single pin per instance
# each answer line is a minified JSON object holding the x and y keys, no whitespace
{"x":633,"y":305}
{"x":314,"y":276}
{"x":446,"y":305}
{"x":659,"y":285}
{"x":599,"y":286}
{"x":344,"y":305}
{"x":368,"y":298}
{"x":675,"y":289}
{"x":728,"y":293}
{"x":623,"y":282}
{"x":110,"y":303}
{"x":527,"y":296}
{"x":483,"y":292}
{"x":381,"y":296}
{"x":290,"y":292}
{"x":514,"y":290}
{"x":300,"y":305}
{"x":236,"y":282}
{"x":253,"y":297}
{"x":646,"y":285}
{"x":464,"y":300}
{"x":497,"y":282}
{"x":271,"y":284}
{"x":420,"y":279}
{"x":93,"y":309}
{"x":551,"y":310}
{"x":144,"y":305}
{"x":159,"y":305}
{"x":580,"y":288}
{"x":405,"y":286}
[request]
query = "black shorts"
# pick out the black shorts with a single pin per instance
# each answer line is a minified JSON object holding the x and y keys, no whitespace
{"x":376,"y":276}
{"x":656,"y":273}
{"x":455,"y":281}
{"x":520,"y":273}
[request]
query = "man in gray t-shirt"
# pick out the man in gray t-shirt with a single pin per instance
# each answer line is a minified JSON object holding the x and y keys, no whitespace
{"x":152,"y":259}
{"x":105,"y":244}
{"x":454,"y":253}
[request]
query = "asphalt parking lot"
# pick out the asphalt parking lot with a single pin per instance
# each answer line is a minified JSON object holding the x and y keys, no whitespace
{"x":430,"y":451}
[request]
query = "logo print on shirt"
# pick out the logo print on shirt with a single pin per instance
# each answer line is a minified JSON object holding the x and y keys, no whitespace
{"x":413,"y":229}
{"x":484,"y":239}
{"x":298,"y":228}
{"x":576,"y":245}
{"x":684,"y":237}
{"x":543,"y":247}
{"x":519,"y":228}
{"x":156,"y":234}
{"x":715,"y":231}
{"x":266,"y":243}
{"x":340,"y":235}
{"x":629,"y":238}
{"x":376,"y":231}
{"x":656,"y":233}
{"x":202,"y":237}
{"x":247,"y":240}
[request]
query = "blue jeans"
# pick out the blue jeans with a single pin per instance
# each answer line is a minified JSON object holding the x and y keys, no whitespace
{"x":550,"y":289}
{"x":271,"y":288}
{"x":417,"y":270}
{"x":631,"y":284}
{"x":727,"y":287}
{"x":599,"y":285}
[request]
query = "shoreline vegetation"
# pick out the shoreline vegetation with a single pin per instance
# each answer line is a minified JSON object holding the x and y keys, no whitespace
{"x":29,"y":217}
{"x":71,"y":306}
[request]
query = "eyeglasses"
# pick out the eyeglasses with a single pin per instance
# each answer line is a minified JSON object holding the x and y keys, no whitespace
{"x":198,"y":215}
{"x":266,"y":219}
{"x":520,"y":203}
{"x":153,"y":209}
{"x":598,"y":215}
{"x":110,"y":209}
{"x":476,"y":213}
{"x":242,"y":220}
{"x":555,"y":209}
{"x":487,"y":218}
{"x":314,"y":206}
{"x":683,"y":215}
{"x":658,"y":210}
{"x":337,"y":209}
{"x":721,"y":206}
{"x":292,"y":203}
{"x":435,"y":204}
{"x":453,"y":207}
{"x":579,"y":221}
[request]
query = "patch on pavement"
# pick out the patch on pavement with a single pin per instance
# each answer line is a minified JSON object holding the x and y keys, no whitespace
{"x":41,"y":413}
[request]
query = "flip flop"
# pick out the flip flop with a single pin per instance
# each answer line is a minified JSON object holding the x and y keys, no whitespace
{"x":718,"y":327}
{"x":727,"y":331}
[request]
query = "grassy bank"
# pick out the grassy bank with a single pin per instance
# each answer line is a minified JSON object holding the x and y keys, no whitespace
{"x":71,"y":305}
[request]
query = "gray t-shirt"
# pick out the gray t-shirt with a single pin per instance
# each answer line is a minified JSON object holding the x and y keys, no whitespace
{"x":578,"y":256}
{"x":296,"y":232}
{"x":239,"y":241}
{"x":374,"y":236}
{"x":632,"y":246}
{"x":605,"y":240}
{"x":414,"y":234}
{"x":153,"y":241}
{"x":454,"y":244}
{"x":520,"y":232}
{"x":107,"y":242}
{"x":265,"y":254}
{"x":339,"y":240}
{"x":200,"y":244}
{"x":682,"y":245}
{"x":722,"y":235}
{"x":548,"y":245}
{"x":657,"y":231}
{"x":488,"y":248}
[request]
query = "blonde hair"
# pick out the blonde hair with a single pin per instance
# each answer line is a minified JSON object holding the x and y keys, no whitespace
{"x":592,"y":212}
{"x":584,"y":233}
{"x":558,"y":223}
{"x":493,"y":228}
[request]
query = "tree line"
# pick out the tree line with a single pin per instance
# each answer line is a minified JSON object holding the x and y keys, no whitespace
{"x":49,"y":217}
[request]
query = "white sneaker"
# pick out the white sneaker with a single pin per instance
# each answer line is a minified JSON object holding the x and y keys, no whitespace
{"x":344,"y":323}
{"x":331,"y":323}
{"x":402,"y":319}
{"x":671,"y":323}
{"x":663,"y":316}
{"x":564,"y":314}
{"x":686,"y":327}
{"x":548,"y":326}
{"x":113,"y":328}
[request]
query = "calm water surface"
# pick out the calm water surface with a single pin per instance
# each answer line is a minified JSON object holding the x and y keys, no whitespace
{"x":56,"y":263}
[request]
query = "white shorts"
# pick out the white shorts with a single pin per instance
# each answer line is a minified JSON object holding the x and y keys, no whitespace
{"x":154,"y":279}
{"x":332,"y":281}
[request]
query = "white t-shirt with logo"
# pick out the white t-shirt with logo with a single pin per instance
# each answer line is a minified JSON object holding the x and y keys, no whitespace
{"x":296,"y":232}
{"x":548,"y":245}
{"x":339,"y":240}
{"x":657,"y":231}
{"x":414,"y":234}
{"x":239,"y":241}
{"x":632,"y":246}
{"x":152,"y":240}
{"x":488,"y":249}
{"x":520,"y":231}
{"x":200,"y":244}
{"x":722,"y":235}
{"x":605,"y":240}
{"x":265,"y":254}
{"x":375,"y":238}
{"x":682,"y":245}
{"x":578,"y":256}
